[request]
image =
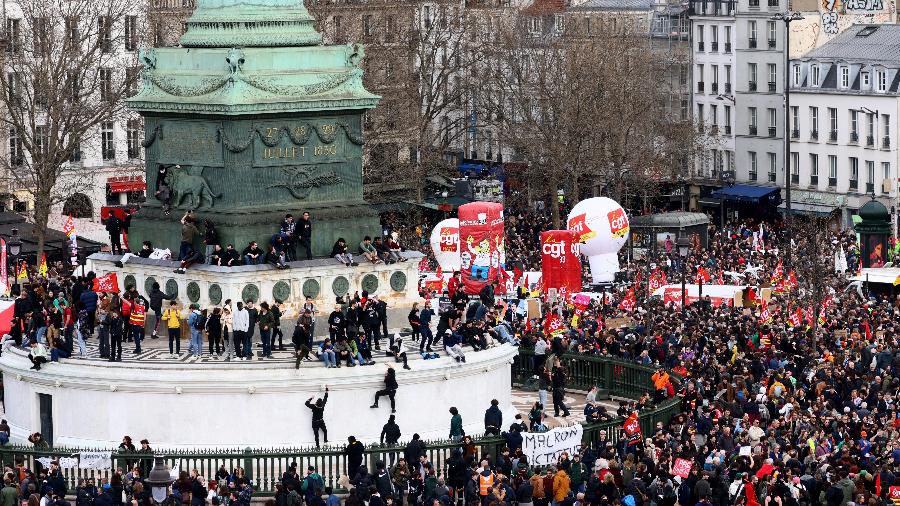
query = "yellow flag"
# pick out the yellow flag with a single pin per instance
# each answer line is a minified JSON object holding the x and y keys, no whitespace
{"x":42,"y":265}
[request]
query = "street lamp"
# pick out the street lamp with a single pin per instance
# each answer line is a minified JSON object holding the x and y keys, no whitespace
{"x":787,"y":17}
{"x":14,"y":243}
{"x":159,"y":479}
{"x":684,"y":249}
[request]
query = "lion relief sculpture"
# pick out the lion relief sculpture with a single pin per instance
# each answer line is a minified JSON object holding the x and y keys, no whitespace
{"x":189,"y":182}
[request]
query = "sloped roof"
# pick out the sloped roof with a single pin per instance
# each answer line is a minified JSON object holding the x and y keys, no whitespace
{"x":882,"y":44}
{"x":614,"y":5}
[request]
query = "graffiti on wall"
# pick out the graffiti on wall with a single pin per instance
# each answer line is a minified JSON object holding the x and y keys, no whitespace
{"x":834,"y":17}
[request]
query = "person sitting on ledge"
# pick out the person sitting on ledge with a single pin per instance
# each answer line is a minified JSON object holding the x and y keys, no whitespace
{"x":253,"y":255}
{"x":230,"y":257}
{"x":368,"y":251}
{"x":385,"y":253}
{"x":327,"y":354}
{"x":215,"y":258}
{"x":339,"y":252}
{"x":191,"y":257}
{"x":38,"y":355}
{"x":275,"y":257}
{"x":394,"y":246}
{"x":146,"y":249}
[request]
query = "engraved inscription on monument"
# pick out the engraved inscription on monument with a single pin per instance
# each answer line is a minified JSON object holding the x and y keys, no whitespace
{"x":299,"y":143}
{"x":190,"y":143}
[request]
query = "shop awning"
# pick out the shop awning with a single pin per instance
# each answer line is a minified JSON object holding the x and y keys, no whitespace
{"x":126,"y":184}
{"x":748,"y":194}
{"x":808,"y":209}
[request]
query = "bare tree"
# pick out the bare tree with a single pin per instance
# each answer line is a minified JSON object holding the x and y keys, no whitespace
{"x":65,"y":80}
{"x":588,"y":110}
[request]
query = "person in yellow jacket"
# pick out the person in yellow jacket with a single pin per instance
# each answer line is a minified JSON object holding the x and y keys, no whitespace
{"x":172,"y":317}
{"x":561,"y":486}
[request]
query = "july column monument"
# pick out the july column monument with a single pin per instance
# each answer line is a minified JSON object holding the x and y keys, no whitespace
{"x":262,"y":118}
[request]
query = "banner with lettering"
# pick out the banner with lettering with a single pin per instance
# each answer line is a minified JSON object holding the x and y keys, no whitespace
{"x":544,"y":448}
{"x":4,"y":270}
{"x":481,"y":241}
{"x":95,"y":460}
{"x":560,"y":262}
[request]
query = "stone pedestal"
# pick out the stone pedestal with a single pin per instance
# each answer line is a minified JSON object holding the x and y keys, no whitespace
{"x":321,"y":279}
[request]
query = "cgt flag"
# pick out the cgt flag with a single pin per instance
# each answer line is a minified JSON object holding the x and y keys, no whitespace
{"x":632,"y":429}
{"x":108,"y":283}
{"x":42,"y":266}
{"x":560,"y":262}
{"x":23,"y":271}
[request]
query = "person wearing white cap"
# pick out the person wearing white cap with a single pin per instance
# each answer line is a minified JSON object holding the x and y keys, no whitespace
{"x":453,"y":346}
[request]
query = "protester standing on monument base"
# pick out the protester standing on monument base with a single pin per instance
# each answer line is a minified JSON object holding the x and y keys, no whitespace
{"x":241,"y":322}
{"x":318,"y":417}
{"x":303,"y":230}
{"x":188,"y":233}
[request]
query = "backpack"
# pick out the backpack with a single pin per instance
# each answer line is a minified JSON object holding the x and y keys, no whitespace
{"x":200,"y":322}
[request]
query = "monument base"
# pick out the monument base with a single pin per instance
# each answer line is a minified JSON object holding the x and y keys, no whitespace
{"x":239,"y":227}
{"x":322,"y":279}
{"x":181,"y":404}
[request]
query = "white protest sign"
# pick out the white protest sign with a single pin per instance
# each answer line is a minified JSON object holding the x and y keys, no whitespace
{"x":95,"y":460}
{"x":544,"y":448}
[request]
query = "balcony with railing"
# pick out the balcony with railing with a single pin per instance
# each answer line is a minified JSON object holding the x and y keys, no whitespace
{"x":727,"y":87}
{"x":832,"y":182}
{"x":870,"y":141}
{"x":814,"y":135}
{"x":886,"y":142}
{"x":714,"y":46}
{"x":854,"y":137}
{"x":771,"y":43}
{"x":714,"y":88}
{"x":727,"y":129}
{"x":854,"y":184}
{"x":700,"y":86}
{"x":751,"y":86}
{"x":832,"y":136}
{"x":870,"y":188}
{"x":814,"y":180}
{"x":772,"y":177}
{"x":752,"y":129}
{"x":728,"y":47}
{"x":795,"y":134}
{"x":752,"y":175}
{"x":772,"y":86}
{"x":772,"y":131}
{"x":700,"y":47}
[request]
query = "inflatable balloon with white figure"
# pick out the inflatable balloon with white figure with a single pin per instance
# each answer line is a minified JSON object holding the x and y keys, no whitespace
{"x":445,"y":244}
{"x":601,"y":228}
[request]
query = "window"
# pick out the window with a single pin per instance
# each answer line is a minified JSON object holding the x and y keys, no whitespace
{"x":685,"y":108}
{"x":882,"y":80}
{"x":700,"y":78}
{"x":14,"y":85}
{"x":795,"y":167}
{"x":426,"y":15}
{"x":773,"y":118}
{"x":75,"y":153}
{"x":751,"y":111}
{"x":367,"y":25}
{"x":854,"y":128}
{"x":74,"y":86}
{"x":134,"y":138}
{"x":865,"y":80}
{"x":104,"y":33}
{"x":727,"y":78}
{"x":105,"y":84}
{"x":714,"y":70}
{"x":337,"y":22}
{"x":886,"y":176}
{"x":772,"y":29}
{"x":107,"y":141}
{"x":73,"y":35}
{"x":885,"y":131}
{"x":814,"y":75}
{"x":773,"y":167}
{"x":16,"y":152}
{"x":832,"y":170}
{"x":41,"y":140}
{"x":699,"y":35}
{"x":13,"y":36}
{"x":796,"y":73}
{"x":713,"y":38}
{"x":390,"y":24}
{"x":727,"y":39}
{"x":845,"y":77}
{"x":795,"y":122}
{"x":751,"y":72}
{"x":814,"y":123}
{"x":813,"y":169}
{"x":870,"y":176}
{"x":773,"y":76}
{"x":833,"y":123}
{"x":751,"y":155}
{"x":714,"y":115}
{"x":41,"y":36}
{"x":854,"y":173}
{"x":870,"y":129}
{"x":701,"y":118}
{"x":131,"y":34}
{"x":682,"y":75}
{"x":751,"y":34}
{"x":728,"y":119}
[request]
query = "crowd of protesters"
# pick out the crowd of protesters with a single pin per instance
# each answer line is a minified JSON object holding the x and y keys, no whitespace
{"x":789,"y":400}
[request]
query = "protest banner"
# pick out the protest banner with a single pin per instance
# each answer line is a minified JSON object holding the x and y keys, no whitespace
{"x":95,"y":460}
{"x":682,"y":468}
{"x":544,"y":448}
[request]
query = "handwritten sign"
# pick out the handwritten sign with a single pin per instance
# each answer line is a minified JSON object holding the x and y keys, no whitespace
{"x":95,"y":460}
{"x":544,"y":448}
{"x":682,"y":468}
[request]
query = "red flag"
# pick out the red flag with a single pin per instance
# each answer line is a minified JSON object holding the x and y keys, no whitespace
{"x":629,"y":301}
{"x":632,"y":429}
{"x":439,"y":273}
{"x":517,"y":274}
{"x":703,"y":277}
{"x":502,"y":278}
{"x":765,"y":316}
{"x":810,"y":316}
{"x":878,"y":484}
{"x":553,"y":324}
{"x":69,"y":226}
{"x":527,"y":325}
{"x":796,"y":317}
{"x":637,"y":278}
{"x":721,"y":277}
{"x":778,"y":274}
{"x":108,"y":283}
